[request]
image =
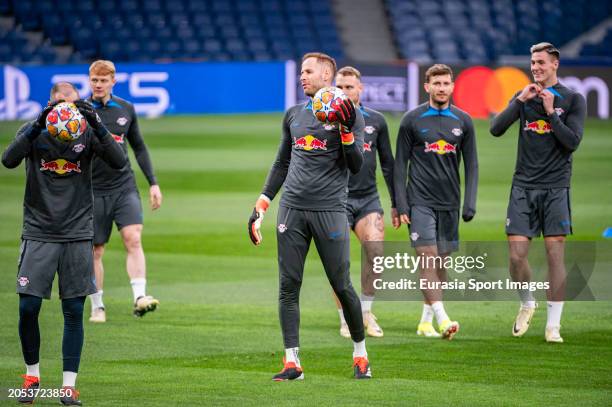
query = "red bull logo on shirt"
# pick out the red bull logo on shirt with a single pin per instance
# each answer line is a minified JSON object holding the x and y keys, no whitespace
{"x":440,"y":147}
{"x":539,"y":126}
{"x":60,"y":166}
{"x":309,"y":142}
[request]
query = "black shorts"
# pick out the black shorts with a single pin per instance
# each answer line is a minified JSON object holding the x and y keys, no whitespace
{"x":124,"y":208}
{"x":532,"y":212}
{"x":433,"y":227}
{"x":358,"y":208}
{"x":73,"y":262}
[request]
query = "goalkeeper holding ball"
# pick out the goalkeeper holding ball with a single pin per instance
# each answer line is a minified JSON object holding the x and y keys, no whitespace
{"x":57,"y":232}
{"x":313,"y":165}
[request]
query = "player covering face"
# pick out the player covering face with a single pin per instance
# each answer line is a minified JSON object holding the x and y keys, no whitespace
{"x":364,"y":210}
{"x":57,"y":238}
{"x":312,"y":166}
{"x":551,"y":121}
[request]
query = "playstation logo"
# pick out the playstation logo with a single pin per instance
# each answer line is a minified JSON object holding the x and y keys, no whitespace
{"x":15,"y":104}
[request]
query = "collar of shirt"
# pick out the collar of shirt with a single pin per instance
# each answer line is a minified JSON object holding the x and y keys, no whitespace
{"x":111,"y":103}
{"x":431,"y":111}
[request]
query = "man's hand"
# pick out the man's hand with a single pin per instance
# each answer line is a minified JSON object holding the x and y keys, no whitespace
{"x":155,"y":197}
{"x":346,"y":117}
{"x":41,"y":120}
{"x":404,"y":219}
{"x":548,"y":100}
{"x":468,"y":215}
{"x":395,"y":218}
{"x":261,"y":206}
{"x":89,"y":112}
{"x":529,"y":92}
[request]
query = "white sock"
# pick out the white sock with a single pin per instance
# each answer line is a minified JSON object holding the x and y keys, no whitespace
{"x":138,"y":287}
{"x":33,"y":370}
{"x":292,"y":355}
{"x":427,"y":315}
{"x":438,"y":309}
{"x":359,"y":349}
{"x":96,"y":300}
{"x":69,"y":379}
{"x":366,"y":303}
{"x":341,"y":314}
{"x":555,"y":308}
{"x":528,"y":304}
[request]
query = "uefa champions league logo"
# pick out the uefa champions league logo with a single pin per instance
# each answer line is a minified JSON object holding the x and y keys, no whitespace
{"x":15,"y":104}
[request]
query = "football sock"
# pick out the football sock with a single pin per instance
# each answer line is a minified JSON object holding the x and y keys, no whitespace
{"x":341,"y":314}
{"x":33,"y":370}
{"x":72,"y":343}
{"x":69,"y":379}
{"x":439,"y":312}
{"x":428,"y":313}
{"x":528,"y":304}
{"x":138,"y":287}
{"x":555,"y":308}
{"x":359,"y":349}
{"x":96,"y":300}
{"x":29,"y":333}
{"x":291,"y":355}
{"x":366,"y":303}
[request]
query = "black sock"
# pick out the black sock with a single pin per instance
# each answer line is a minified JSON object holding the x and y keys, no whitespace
{"x":29,"y":333}
{"x":72,"y":343}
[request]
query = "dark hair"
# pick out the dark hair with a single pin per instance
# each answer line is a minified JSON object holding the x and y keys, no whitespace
{"x":322,"y":58}
{"x":546,"y":47}
{"x":438,"y":69}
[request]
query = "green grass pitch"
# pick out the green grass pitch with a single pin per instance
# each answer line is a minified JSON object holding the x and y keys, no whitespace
{"x":215,"y":339}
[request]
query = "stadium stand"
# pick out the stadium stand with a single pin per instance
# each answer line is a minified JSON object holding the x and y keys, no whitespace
{"x":480,"y":31}
{"x":452,"y":31}
{"x":149,"y":30}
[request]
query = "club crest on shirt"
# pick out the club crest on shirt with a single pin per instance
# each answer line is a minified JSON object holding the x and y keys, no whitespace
{"x":77,"y":148}
{"x":329,"y":127}
{"x":369,"y":129}
{"x":456,"y":131}
{"x":122,"y":121}
{"x":559,"y":111}
{"x":282,"y":228}
{"x":23,"y":281}
{"x":414,"y":236}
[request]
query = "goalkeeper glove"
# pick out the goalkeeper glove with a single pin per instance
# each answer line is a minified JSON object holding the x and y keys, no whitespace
{"x":261,"y":206}
{"x":41,"y":120}
{"x":94,"y":121}
{"x":346,"y":117}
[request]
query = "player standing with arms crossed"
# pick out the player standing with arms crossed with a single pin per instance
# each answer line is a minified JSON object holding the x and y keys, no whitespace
{"x":551,"y":122}
{"x":364,"y":210}
{"x":313,"y":164}
{"x":57,"y":232}
{"x":432,"y":137}
{"x":116,"y":195}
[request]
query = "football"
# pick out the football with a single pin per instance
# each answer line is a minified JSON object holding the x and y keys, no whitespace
{"x":65,"y":122}
{"x":325,"y":104}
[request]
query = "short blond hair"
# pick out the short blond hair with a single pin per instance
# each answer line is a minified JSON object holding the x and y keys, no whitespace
{"x":102,"y":67}
{"x":322,"y":59}
{"x":349,"y":71}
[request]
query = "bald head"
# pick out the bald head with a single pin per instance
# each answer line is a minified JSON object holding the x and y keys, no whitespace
{"x":64,"y":91}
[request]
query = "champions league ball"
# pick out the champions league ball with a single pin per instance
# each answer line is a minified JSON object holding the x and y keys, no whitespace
{"x":325,"y":104}
{"x":65,"y":122}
